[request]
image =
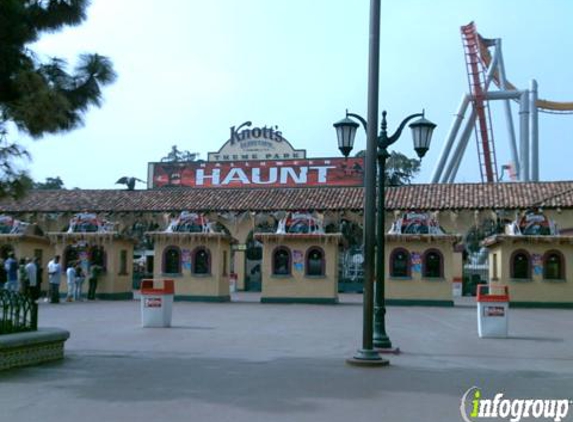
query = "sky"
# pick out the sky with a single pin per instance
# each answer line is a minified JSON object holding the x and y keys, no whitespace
{"x":188,"y":70}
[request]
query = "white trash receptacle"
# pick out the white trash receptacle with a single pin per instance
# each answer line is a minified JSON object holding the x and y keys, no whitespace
{"x":156,"y":303}
{"x":457,"y":287}
{"x":492,"y":313}
{"x":233,"y":283}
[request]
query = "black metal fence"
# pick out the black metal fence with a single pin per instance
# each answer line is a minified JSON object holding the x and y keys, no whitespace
{"x":19,"y":313}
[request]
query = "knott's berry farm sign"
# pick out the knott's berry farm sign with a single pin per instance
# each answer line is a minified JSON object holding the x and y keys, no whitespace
{"x":254,"y":143}
{"x":257,"y":157}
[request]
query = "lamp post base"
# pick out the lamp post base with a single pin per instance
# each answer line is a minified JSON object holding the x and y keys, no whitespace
{"x":366,"y":357}
{"x":382,"y":341}
{"x":388,"y":350}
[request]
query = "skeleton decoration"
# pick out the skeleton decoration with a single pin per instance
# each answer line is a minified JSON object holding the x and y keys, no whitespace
{"x":190,"y":222}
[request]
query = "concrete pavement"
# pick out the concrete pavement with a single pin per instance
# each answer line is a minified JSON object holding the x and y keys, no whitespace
{"x":246,"y":361}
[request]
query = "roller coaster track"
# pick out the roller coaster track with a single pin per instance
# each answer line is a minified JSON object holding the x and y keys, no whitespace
{"x":545,"y":106}
{"x":484,"y":65}
{"x":476,"y":77}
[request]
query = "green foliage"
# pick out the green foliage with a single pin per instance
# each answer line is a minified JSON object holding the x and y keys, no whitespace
{"x":175,"y":155}
{"x":14,"y":182}
{"x":40,"y":97}
{"x":400,"y":170}
{"x":50,"y":183}
{"x":478,"y":233}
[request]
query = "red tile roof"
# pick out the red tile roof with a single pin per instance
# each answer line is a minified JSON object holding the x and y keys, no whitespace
{"x":412,"y":197}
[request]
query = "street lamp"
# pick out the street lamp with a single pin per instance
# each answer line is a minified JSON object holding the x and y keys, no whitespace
{"x":346,"y":131}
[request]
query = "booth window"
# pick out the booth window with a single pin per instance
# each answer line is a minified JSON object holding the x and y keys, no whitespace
{"x":400,"y":263}
{"x":433,"y":264}
{"x":71,"y":256}
{"x":281,"y":261}
{"x":98,"y":256}
{"x":172,"y":260}
{"x":520,"y":265}
{"x":315,"y":262}
{"x":75,"y":253}
{"x":202,"y":261}
{"x":553,"y":266}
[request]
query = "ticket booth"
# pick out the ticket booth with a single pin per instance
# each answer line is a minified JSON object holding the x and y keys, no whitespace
{"x":422,"y":265}
{"x":534,"y":268}
{"x":23,"y":240}
{"x":91,"y":241}
{"x":531,"y":260}
{"x":300,"y":263}
{"x":195,"y":257}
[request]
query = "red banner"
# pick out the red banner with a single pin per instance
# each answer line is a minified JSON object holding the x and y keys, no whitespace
{"x":259,"y":174}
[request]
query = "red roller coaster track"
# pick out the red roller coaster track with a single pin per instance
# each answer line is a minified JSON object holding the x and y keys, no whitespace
{"x":476,"y":78}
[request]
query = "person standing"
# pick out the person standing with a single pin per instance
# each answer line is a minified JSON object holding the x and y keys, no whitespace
{"x":55,"y":278}
{"x":23,"y":282}
{"x":32,"y":273}
{"x":93,"y":276}
{"x":71,"y":279}
{"x":79,"y":281}
{"x":3,"y":278}
{"x":39,"y":277}
{"x":11,"y":267}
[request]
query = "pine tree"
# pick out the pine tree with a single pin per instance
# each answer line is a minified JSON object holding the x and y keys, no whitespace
{"x":41,"y":97}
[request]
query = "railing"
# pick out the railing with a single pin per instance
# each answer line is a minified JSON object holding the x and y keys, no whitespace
{"x":18,"y":313}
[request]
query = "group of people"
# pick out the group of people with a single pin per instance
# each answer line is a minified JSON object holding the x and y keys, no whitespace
{"x":75,"y":277}
{"x":24,"y":276}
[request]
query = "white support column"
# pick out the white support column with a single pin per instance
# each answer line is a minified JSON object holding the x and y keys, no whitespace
{"x":452,"y":134}
{"x":452,"y":170}
{"x":534,"y":132}
{"x":524,"y":136}
{"x":507,"y":106}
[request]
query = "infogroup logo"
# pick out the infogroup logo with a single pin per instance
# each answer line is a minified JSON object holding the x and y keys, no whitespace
{"x":475,"y":407}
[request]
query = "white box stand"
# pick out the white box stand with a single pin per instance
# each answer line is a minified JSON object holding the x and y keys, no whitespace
{"x":492,"y":314}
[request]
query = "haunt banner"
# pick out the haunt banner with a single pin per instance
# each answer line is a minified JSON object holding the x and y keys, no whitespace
{"x":258,"y":174}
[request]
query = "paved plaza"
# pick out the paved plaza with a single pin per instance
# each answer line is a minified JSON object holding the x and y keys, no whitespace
{"x":246,"y":361}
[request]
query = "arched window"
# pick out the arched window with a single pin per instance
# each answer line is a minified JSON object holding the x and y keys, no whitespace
{"x":5,"y":251}
{"x":433,"y":264}
{"x":520,"y":265}
{"x":94,"y":254}
{"x":553,"y":266}
{"x":172,"y":260}
{"x":315,"y":261}
{"x":201,"y":261}
{"x":98,"y":256}
{"x":71,"y":256}
{"x":281,"y":261}
{"x":400,"y":263}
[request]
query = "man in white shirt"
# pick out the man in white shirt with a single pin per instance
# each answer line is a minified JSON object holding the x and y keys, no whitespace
{"x":32,"y":273}
{"x":55,"y":278}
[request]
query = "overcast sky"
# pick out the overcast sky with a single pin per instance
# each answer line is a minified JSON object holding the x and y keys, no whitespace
{"x":190,"y":69}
